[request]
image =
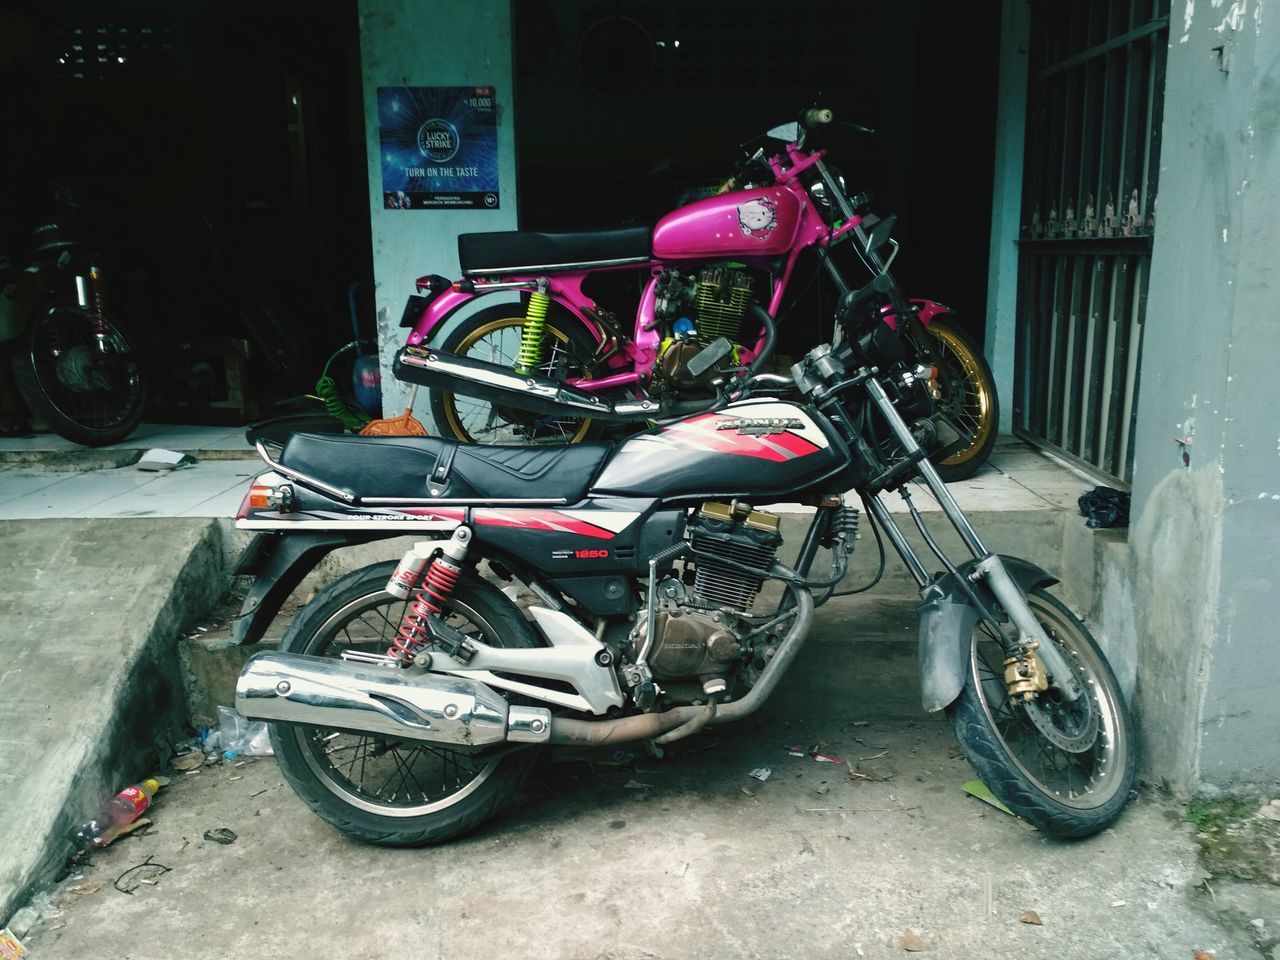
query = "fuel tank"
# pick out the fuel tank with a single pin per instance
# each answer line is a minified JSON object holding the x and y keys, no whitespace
{"x":746,"y":223}
{"x":754,"y":448}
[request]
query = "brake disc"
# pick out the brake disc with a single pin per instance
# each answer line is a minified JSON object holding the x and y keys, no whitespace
{"x":1061,"y":724}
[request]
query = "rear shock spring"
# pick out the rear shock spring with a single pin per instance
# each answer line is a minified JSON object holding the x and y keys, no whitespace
{"x":437,"y":586}
{"x":433,"y":593}
{"x":535,"y":319}
{"x":98,"y":302}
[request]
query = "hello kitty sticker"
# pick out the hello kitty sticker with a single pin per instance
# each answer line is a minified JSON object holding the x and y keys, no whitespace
{"x":757,"y":218}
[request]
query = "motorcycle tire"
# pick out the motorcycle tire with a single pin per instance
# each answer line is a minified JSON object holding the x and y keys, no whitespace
{"x":366,"y":785}
{"x":1071,"y":788}
{"x":494,"y":334}
{"x":85,"y":394}
{"x":968,"y":397}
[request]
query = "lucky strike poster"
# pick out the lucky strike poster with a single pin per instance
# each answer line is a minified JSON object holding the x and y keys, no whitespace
{"x":439,"y":148}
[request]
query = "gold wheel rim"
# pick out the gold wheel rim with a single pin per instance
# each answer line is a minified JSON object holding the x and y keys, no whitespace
{"x":474,"y":337}
{"x":975,"y":415}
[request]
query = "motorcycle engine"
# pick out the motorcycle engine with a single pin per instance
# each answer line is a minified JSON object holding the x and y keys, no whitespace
{"x":693,"y":310}
{"x":700,"y":622}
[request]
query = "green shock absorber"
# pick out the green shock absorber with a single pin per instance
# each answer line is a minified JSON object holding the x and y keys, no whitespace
{"x":535,"y":320}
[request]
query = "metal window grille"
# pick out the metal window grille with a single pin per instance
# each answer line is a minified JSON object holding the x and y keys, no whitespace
{"x":1088,"y":212}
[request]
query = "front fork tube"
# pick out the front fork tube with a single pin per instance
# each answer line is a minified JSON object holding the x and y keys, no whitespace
{"x":990,"y":568}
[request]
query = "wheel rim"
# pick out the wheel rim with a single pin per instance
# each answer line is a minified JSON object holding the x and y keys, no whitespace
{"x":382,"y":776}
{"x":1085,"y":780}
{"x":477,"y":421}
{"x":90,"y":379}
{"x":966,"y":394}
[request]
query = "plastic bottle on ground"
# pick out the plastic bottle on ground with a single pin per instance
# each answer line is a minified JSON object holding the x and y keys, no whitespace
{"x":125,"y":807}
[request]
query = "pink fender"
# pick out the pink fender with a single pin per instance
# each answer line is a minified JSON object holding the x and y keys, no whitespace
{"x":566,"y":290}
{"x":929,"y":309}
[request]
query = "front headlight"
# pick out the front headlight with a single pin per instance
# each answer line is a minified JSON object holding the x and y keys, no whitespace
{"x":819,"y":190}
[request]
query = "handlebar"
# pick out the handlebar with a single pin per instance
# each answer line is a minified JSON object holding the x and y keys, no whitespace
{"x":816,"y":116}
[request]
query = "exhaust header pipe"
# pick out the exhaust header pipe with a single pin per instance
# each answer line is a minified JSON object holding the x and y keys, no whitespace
{"x":383,"y":701}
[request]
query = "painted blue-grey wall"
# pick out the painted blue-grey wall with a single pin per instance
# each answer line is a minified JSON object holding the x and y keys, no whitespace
{"x":442,"y":43}
{"x":1006,"y":203}
{"x":1206,"y":541}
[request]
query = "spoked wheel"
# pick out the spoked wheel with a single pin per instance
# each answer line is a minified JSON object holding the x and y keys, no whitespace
{"x":493,"y":335}
{"x":1065,"y":767}
{"x":80,"y":374}
{"x":387,"y":791}
{"x":968,"y":398}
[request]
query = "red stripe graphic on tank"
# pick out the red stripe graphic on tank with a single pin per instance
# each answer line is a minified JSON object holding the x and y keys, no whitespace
{"x":702,"y":433}
{"x":794,"y":443}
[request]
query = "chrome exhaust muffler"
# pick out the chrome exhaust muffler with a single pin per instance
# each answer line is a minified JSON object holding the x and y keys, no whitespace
{"x":383,"y":701}
{"x":500,"y":385}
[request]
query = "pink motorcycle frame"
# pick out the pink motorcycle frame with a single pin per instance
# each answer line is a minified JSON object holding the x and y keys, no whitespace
{"x":680,"y":237}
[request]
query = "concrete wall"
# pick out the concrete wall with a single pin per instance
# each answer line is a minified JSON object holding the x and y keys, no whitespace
{"x":1006,"y":204}
{"x":1206,"y":537}
{"x":443,"y":43}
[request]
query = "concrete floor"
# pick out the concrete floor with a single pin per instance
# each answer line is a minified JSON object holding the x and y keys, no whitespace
{"x":680,"y":858}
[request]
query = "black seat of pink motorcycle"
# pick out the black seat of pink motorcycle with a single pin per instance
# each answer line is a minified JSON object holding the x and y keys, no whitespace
{"x":522,"y":249}
{"x":402,"y":467}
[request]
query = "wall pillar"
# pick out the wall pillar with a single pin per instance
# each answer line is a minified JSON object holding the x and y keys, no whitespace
{"x":1006,"y":202}
{"x":443,"y":43}
{"x":1206,"y":537}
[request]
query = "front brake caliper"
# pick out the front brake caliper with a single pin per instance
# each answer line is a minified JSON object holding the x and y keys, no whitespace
{"x":1024,"y":674}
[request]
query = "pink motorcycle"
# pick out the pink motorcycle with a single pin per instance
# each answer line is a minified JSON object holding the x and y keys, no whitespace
{"x":557,"y":367}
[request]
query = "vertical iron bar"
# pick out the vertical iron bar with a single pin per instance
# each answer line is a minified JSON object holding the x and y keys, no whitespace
{"x":1131,"y":368}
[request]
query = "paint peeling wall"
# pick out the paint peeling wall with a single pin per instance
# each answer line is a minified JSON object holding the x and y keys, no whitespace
{"x":1206,"y":542}
{"x":443,"y":43}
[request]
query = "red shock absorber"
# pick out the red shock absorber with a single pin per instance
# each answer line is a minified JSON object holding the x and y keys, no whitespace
{"x":433,"y":593}
{"x":98,"y":292}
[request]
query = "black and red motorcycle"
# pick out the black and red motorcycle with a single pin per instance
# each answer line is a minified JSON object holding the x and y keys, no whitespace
{"x":408,"y":700}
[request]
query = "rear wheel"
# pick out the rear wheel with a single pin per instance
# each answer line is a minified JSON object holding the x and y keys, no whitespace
{"x":81,"y":375}
{"x":1065,"y":767}
{"x":968,"y":398}
{"x":387,"y":791}
{"x":493,"y":335}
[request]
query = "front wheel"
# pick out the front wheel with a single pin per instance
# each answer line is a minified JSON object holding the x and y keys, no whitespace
{"x":1065,"y":767}
{"x":80,"y":373}
{"x":493,"y":335}
{"x":968,"y":398}
{"x":383,"y":790}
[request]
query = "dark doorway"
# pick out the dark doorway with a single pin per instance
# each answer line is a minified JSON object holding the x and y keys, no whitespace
{"x":621,"y":106}
{"x":224,"y":143}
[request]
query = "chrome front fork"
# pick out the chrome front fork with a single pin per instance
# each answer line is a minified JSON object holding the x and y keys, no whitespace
{"x":990,"y":569}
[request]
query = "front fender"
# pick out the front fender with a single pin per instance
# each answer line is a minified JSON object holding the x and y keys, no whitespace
{"x":947,"y":619}
{"x":927,"y":310}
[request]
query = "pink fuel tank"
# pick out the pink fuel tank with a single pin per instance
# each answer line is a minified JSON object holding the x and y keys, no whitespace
{"x":746,"y":223}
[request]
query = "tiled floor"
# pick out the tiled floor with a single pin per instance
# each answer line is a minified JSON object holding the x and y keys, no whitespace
{"x":1017,"y":477}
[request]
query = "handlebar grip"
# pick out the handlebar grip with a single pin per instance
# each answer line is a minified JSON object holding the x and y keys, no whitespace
{"x":815,"y":116}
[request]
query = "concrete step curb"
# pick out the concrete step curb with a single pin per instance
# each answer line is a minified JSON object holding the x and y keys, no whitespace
{"x":87,"y":699}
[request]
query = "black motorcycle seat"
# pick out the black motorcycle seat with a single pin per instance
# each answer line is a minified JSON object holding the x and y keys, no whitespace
{"x":486,"y":253}
{"x":403,"y":467}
